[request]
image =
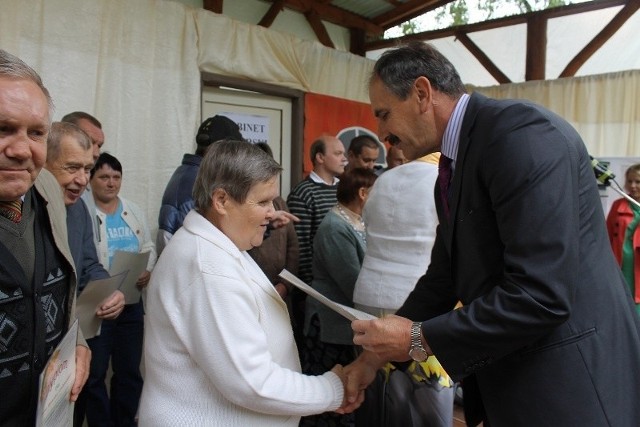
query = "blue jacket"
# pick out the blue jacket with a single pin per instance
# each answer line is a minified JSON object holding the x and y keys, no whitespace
{"x":83,"y":249}
{"x":177,"y":200}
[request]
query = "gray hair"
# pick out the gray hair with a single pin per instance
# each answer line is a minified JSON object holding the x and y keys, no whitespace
{"x":13,"y":67}
{"x":76,"y":116}
{"x":399,"y":68}
{"x":235,"y":167}
{"x":58,"y":131}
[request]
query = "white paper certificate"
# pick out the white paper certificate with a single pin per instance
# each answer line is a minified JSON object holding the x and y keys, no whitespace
{"x":134,"y":264}
{"x":93,"y":294}
{"x":56,"y":381}
{"x":348,"y":312}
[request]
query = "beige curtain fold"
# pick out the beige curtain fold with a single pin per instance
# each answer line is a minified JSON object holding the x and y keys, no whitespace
{"x":256,"y":53}
{"x":605,"y":108}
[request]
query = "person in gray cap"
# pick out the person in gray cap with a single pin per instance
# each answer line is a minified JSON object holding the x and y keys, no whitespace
{"x":177,"y":200}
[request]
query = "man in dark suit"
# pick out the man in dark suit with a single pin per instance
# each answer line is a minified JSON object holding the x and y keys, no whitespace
{"x":547,"y":334}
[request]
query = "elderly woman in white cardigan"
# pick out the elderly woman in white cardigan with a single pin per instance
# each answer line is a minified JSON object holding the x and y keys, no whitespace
{"x":219,"y":348}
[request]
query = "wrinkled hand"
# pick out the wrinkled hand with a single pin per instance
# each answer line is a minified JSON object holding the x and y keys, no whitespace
{"x":359,"y":374}
{"x":389,"y":337}
{"x":143,"y":280}
{"x":112,"y":306}
{"x":282,"y":218}
{"x":83,"y":362}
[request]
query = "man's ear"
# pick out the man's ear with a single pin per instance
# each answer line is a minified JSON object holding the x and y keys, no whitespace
{"x":424,"y":92}
{"x":319,"y":158}
{"x":219,"y":200}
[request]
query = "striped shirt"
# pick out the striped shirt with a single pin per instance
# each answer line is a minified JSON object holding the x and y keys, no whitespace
{"x":310,"y":201}
{"x":451,"y":137}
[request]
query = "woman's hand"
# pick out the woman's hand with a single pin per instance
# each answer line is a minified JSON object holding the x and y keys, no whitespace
{"x":143,"y":280}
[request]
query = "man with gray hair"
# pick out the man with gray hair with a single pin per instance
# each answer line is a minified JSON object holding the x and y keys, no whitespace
{"x":37,"y":276}
{"x":91,"y":126}
{"x":70,"y":159}
{"x":521,"y":243}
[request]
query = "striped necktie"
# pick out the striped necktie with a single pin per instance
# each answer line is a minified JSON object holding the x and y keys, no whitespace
{"x":11,"y":210}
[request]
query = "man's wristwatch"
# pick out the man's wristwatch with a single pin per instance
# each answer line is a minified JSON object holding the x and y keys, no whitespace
{"x":417,"y":351}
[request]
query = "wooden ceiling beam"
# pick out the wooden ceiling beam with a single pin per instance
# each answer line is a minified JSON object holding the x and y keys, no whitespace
{"x":605,"y":34}
{"x":318,"y":28}
{"x":484,"y":60}
{"x":272,"y":13}
{"x":406,"y":11}
{"x":335,"y":15}
{"x":499,"y":22}
{"x":536,"y":56}
{"x":214,"y":6}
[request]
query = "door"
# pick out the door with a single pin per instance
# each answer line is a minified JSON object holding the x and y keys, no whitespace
{"x":262,"y":118}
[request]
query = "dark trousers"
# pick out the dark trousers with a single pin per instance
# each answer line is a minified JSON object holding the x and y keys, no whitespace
{"x":120,"y":341}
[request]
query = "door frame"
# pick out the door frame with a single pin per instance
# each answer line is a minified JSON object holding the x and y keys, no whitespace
{"x":297,"y":112}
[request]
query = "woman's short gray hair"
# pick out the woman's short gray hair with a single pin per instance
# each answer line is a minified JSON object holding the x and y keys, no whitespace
{"x":235,"y":167}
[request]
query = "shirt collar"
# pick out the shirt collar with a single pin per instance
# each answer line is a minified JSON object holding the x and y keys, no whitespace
{"x":451,"y":137}
{"x":316,"y":178}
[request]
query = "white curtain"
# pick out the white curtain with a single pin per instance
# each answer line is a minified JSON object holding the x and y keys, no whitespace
{"x":135,"y":65}
{"x":132,"y":64}
{"x":605,"y":108}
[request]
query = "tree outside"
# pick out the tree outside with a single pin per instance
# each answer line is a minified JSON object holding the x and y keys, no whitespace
{"x":463,"y":12}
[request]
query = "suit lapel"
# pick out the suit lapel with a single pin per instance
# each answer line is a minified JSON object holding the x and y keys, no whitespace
{"x":463,"y":147}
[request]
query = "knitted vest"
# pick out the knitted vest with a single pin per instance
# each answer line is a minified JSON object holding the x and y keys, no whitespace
{"x":33,"y":317}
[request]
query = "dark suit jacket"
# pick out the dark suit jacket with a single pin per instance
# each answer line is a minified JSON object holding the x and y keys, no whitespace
{"x":548,"y":335}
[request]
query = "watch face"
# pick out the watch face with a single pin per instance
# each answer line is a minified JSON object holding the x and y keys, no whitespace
{"x":418,"y":354}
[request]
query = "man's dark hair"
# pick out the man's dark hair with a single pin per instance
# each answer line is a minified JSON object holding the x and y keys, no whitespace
{"x":399,"y":68}
{"x":76,"y":116}
{"x":109,"y":160}
{"x":361,"y":141}
{"x":318,"y":147}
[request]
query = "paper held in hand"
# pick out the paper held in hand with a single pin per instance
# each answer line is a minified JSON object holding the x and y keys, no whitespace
{"x":56,"y":380}
{"x":92,"y":295}
{"x":348,"y":312}
{"x":134,"y":264}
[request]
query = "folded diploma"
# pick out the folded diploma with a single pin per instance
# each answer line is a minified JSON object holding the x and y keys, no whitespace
{"x":348,"y":312}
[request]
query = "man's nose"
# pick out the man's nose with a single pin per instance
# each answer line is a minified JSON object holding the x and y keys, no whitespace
{"x":82,"y":178}
{"x":18,"y":147}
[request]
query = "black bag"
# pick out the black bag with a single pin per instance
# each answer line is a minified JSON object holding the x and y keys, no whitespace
{"x":406,"y":395}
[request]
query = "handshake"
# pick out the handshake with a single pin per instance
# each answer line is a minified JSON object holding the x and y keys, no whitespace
{"x":382,"y":340}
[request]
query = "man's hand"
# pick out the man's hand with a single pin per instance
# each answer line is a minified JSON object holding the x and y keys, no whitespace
{"x":389,"y":337}
{"x":359,"y":374}
{"x":83,"y":362}
{"x":143,"y":280}
{"x":112,"y":306}
{"x":282,"y":218}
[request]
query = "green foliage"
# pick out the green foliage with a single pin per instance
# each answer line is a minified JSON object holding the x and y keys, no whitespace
{"x":458,"y":13}
{"x":409,"y":27}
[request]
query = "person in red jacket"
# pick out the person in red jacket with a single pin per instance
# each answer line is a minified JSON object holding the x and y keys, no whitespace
{"x":622,"y":225}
